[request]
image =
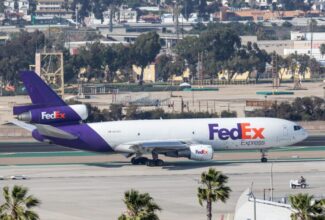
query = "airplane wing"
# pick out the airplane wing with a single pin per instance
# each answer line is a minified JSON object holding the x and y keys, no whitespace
{"x":158,"y":146}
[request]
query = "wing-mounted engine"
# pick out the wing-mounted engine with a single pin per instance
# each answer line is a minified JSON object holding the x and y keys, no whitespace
{"x":194,"y":152}
{"x":51,"y":115}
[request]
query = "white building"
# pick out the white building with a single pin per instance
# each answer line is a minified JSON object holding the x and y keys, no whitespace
{"x":51,"y":8}
{"x":246,"y":208}
{"x":23,"y":6}
{"x":170,"y":18}
{"x":319,"y":5}
{"x":128,"y":15}
{"x":123,"y":15}
{"x":262,"y":3}
{"x":307,"y":43}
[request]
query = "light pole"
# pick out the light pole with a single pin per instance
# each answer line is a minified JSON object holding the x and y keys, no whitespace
{"x":252,"y":195}
{"x":272,"y":181}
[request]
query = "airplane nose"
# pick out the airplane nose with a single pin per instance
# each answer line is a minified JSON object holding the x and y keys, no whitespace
{"x":304,"y":135}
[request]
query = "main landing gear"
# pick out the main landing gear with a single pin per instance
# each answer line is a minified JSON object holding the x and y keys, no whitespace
{"x":263,"y":158}
{"x":145,"y":161}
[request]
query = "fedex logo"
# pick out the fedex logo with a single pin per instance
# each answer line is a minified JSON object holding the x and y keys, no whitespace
{"x":243,"y":131}
{"x":201,"y":151}
{"x":54,"y":115}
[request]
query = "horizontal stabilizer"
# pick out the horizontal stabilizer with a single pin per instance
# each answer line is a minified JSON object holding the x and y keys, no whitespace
{"x":24,"y":125}
{"x":50,"y":131}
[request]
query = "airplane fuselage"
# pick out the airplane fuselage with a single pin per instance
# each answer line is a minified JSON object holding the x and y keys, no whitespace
{"x":220,"y":133}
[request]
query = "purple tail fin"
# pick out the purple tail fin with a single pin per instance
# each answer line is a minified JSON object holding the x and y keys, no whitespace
{"x":40,"y":93}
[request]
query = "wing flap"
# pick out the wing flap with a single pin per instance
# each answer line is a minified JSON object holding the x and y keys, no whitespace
{"x":158,"y":146}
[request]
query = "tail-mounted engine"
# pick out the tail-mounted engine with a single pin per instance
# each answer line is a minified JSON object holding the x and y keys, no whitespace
{"x":49,"y":115}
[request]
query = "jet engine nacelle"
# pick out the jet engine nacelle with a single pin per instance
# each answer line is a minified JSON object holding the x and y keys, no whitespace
{"x":201,"y":152}
{"x":195,"y":152}
{"x":60,"y":114}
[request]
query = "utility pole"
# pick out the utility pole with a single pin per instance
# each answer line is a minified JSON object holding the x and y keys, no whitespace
{"x":252,"y":195}
{"x":200,"y":68}
{"x":311,"y":29}
{"x":0,"y":85}
{"x":176,"y":15}
{"x":272,"y":181}
{"x":76,"y":11}
{"x":275,"y":74}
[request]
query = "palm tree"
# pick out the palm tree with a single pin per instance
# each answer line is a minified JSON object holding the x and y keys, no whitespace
{"x":305,"y":208}
{"x":139,"y":206}
{"x":213,"y":189}
{"x":18,"y":205}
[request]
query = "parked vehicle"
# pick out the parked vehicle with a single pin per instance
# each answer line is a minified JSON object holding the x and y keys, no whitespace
{"x":19,"y":177}
{"x":298,"y":183}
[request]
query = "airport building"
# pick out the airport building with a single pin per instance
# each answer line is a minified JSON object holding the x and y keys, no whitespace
{"x":23,"y":6}
{"x":306,"y":43}
{"x":249,"y":207}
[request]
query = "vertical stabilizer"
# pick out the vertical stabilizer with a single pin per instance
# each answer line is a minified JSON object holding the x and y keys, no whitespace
{"x":39,"y":92}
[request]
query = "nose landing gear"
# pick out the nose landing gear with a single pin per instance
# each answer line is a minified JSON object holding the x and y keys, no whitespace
{"x":263,"y":158}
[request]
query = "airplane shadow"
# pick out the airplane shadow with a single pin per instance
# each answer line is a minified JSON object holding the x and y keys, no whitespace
{"x":181,"y":165}
{"x":108,"y":164}
{"x":187,"y":165}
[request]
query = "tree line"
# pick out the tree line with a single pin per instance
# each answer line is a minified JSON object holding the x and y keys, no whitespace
{"x":301,"y":109}
{"x":132,"y":112}
{"x":217,"y":49}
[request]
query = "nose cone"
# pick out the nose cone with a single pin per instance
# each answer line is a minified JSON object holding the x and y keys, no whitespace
{"x":304,"y":134}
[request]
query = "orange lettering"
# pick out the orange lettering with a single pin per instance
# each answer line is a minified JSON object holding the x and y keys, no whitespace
{"x":245,"y":129}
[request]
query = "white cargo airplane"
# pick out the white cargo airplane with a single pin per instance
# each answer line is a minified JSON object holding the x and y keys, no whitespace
{"x":51,"y":120}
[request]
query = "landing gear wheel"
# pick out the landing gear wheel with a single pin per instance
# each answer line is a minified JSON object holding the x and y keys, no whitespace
{"x":134,"y":161}
{"x":139,"y":160}
{"x":159,"y":163}
{"x":143,"y":160}
{"x":150,"y":163}
{"x":155,"y":163}
{"x":263,"y":156}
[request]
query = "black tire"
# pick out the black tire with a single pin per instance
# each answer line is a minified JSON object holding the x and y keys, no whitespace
{"x":135,"y":161}
{"x":303,"y":186}
{"x":150,"y":163}
{"x":159,"y":163}
{"x":143,"y":160}
{"x":264,"y":160}
{"x":293,"y":186}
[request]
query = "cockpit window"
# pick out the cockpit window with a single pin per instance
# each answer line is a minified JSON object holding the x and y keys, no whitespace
{"x":296,"y":127}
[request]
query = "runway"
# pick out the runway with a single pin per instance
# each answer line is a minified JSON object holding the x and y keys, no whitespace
{"x":77,"y":185}
{"x":12,"y":147}
{"x":83,"y":192}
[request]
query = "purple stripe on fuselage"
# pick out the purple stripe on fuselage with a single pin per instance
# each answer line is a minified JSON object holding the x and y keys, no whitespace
{"x":88,"y":139}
